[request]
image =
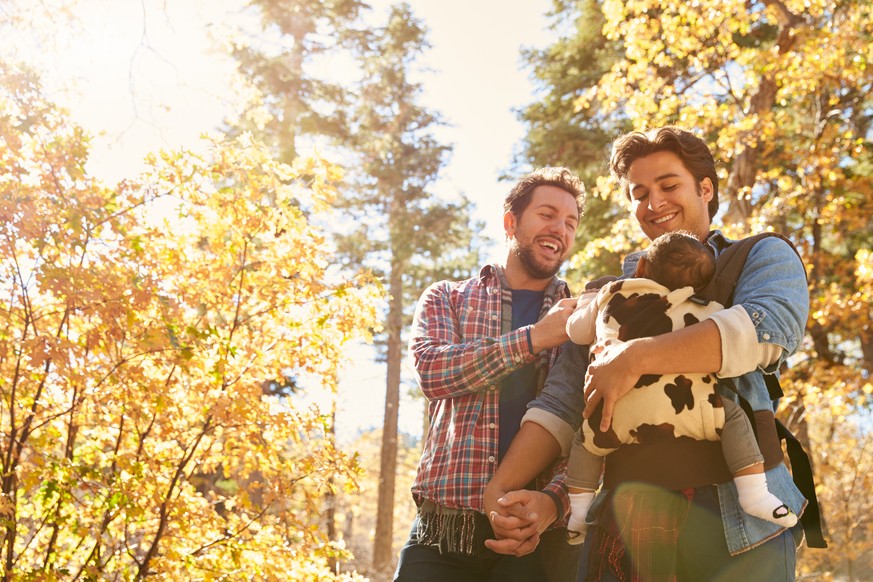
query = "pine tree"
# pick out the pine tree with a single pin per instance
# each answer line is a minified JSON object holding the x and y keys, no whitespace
{"x":398,"y":227}
{"x":561,"y":134}
{"x":279,"y":60}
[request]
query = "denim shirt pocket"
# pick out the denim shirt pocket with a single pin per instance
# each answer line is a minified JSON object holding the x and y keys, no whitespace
{"x":744,"y":532}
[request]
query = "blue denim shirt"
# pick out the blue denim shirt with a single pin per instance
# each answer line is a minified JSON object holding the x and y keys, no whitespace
{"x":773,"y":290}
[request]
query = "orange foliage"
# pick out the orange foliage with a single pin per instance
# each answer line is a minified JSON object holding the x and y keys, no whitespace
{"x":140,"y":326}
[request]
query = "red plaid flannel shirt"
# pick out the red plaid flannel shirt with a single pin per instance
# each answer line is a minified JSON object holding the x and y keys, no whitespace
{"x":462,"y":348}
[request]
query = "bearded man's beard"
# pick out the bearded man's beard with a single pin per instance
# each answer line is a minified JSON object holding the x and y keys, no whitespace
{"x":528,"y":260}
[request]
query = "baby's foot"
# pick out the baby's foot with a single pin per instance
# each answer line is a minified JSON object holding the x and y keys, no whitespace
{"x":576,"y":526}
{"x":574,"y":538}
{"x":756,"y":500}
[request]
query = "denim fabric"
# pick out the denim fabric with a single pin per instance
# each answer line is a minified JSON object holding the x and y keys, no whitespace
{"x":562,"y":393}
{"x":773,"y":290}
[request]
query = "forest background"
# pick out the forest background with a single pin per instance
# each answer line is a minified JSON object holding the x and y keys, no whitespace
{"x":174,"y":341}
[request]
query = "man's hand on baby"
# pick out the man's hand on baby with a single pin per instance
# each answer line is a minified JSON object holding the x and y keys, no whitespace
{"x":551,"y":330}
{"x":585,"y":299}
{"x":608,"y":378}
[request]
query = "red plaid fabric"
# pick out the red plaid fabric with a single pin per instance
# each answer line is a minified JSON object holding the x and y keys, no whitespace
{"x":646,"y":550}
{"x":462,"y":347}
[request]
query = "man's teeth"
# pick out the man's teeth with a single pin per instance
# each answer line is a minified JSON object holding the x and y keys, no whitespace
{"x":550,"y":245}
{"x":664,"y":218}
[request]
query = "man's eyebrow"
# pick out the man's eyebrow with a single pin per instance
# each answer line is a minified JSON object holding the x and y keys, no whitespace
{"x":636,"y":188}
{"x":549,"y":206}
{"x":657,"y":179}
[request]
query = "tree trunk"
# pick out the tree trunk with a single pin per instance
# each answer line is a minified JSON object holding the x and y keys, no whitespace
{"x":744,"y":171}
{"x":293,"y":106}
{"x":382,"y":545}
{"x":330,"y":496}
{"x":867,"y":347}
{"x":745,"y":167}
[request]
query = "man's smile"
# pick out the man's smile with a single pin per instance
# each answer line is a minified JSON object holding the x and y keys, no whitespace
{"x":665,"y":218}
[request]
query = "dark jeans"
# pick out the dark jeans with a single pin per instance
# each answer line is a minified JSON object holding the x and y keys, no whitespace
{"x":553,"y":561}
{"x":703,"y":554}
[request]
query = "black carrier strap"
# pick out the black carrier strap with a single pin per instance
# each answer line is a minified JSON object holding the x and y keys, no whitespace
{"x":801,"y":470}
{"x":721,"y":288}
{"x":730,"y":266}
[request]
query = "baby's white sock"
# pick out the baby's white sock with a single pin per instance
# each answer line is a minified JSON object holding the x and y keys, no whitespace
{"x":576,"y":526}
{"x":756,"y":499}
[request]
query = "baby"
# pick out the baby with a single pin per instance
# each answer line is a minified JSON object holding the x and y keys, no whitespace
{"x":659,"y":299}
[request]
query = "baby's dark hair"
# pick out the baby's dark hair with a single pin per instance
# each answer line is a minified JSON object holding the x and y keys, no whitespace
{"x":678,"y":259}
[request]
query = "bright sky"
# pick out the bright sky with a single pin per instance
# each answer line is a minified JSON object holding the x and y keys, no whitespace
{"x":140,"y":84}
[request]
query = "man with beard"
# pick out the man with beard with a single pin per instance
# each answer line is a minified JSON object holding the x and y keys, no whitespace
{"x":482,"y":349}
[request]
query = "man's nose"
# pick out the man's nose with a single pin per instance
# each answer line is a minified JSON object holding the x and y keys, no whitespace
{"x":656,"y":199}
{"x":557,"y":225}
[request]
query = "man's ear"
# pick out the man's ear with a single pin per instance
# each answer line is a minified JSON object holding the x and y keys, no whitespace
{"x":706,"y":189}
{"x":510,"y":222}
{"x":642,"y":268}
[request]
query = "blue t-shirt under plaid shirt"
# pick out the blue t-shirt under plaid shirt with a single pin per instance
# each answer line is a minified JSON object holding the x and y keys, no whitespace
{"x":520,"y":387}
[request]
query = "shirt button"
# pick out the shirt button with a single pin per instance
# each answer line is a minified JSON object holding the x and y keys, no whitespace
{"x":491,"y":388}
{"x":755,"y":314}
{"x":766,"y":336}
{"x":491,"y":459}
{"x":493,"y":316}
{"x":492,"y":425}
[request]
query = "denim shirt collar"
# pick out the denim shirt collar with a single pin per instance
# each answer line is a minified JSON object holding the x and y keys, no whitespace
{"x":717,"y":241}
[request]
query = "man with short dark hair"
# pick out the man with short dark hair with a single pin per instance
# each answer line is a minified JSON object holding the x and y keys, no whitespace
{"x":662,"y":296}
{"x":481,"y":349}
{"x":689,"y":529}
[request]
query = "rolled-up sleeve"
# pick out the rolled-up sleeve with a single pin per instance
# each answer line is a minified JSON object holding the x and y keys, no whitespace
{"x":773,"y":291}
